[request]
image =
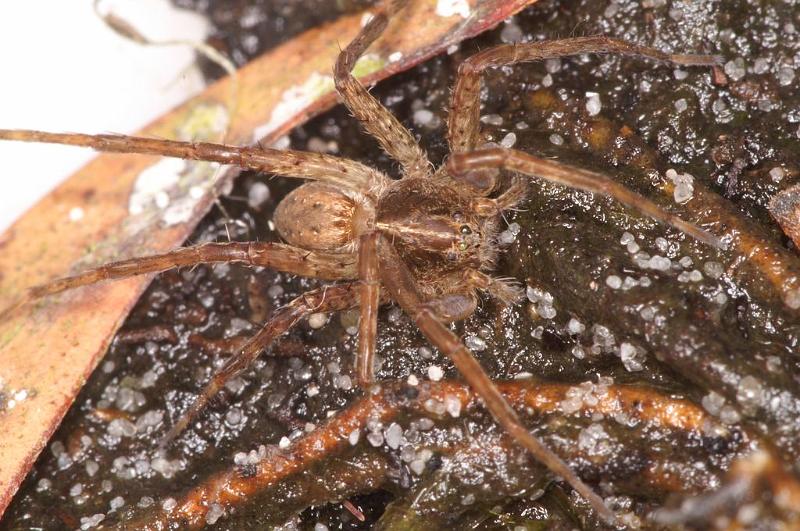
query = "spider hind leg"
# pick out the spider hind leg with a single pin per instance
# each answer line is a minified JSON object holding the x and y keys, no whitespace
{"x":327,"y":299}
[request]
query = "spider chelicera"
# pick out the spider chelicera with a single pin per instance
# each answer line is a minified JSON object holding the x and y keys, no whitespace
{"x":427,"y":241}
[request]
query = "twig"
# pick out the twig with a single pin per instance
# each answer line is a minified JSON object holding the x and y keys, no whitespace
{"x":232,"y":488}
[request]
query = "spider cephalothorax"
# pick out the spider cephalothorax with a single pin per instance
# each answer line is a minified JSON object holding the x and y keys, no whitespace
{"x":436,"y":227}
{"x":426,"y":241}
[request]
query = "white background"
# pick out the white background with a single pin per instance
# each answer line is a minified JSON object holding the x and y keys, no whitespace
{"x":62,"y":69}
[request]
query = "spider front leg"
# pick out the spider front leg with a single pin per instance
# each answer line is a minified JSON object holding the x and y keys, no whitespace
{"x":393,"y":137}
{"x":369,"y":298}
{"x":449,"y":308}
{"x":460,"y":164}
{"x":329,"y":266}
{"x":326,"y":299}
{"x":463,"y":126}
{"x":398,"y":280}
{"x":464,"y":118}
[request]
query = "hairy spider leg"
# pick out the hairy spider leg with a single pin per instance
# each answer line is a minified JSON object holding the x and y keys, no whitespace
{"x":401,"y":285}
{"x":393,"y":137}
{"x":518,"y":161}
{"x":369,"y":301}
{"x":282,"y":257}
{"x":464,"y":118}
{"x":330,"y":266}
{"x":463,"y":124}
{"x":326,"y":299}
{"x":288,"y":163}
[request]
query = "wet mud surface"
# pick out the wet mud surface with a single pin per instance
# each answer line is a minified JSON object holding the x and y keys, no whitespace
{"x":614,"y":303}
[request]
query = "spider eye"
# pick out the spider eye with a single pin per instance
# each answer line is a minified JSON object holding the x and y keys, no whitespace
{"x":452,"y":256}
{"x":465,"y":229}
{"x":462,"y":246}
{"x":458,"y":216}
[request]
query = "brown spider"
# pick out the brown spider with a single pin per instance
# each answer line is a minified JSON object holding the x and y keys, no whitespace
{"x":426,"y":241}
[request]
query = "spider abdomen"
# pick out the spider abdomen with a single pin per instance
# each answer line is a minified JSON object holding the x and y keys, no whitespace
{"x":319,"y":217}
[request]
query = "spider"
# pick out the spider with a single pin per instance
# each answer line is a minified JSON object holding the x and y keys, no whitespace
{"x":427,"y":241}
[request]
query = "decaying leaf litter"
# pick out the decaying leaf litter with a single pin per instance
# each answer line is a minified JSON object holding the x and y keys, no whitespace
{"x":598,"y":305}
